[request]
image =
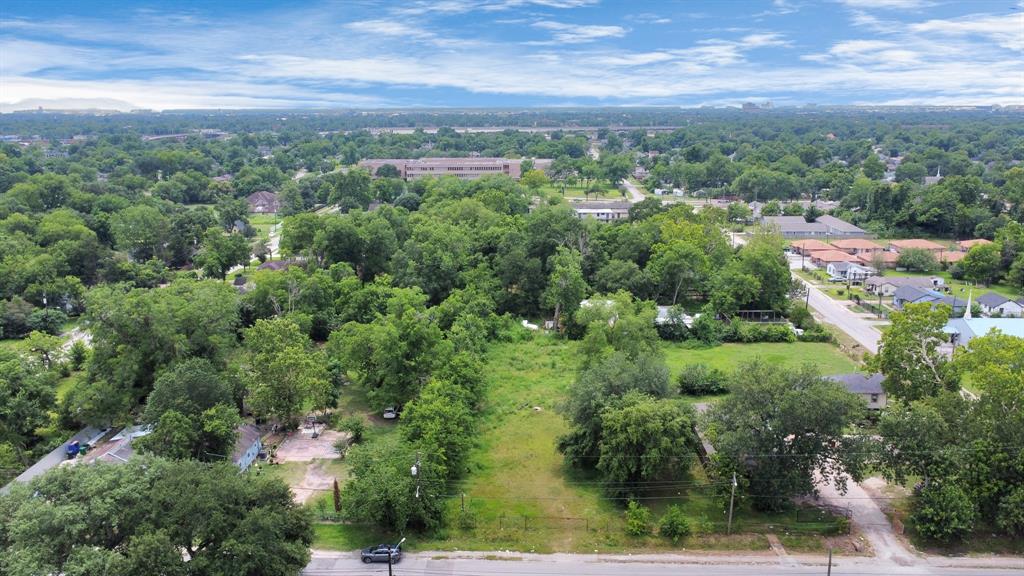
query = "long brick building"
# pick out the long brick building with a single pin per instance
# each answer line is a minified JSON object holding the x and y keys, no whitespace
{"x":465,"y":168}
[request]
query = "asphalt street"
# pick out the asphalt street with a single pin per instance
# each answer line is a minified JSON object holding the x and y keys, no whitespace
{"x":861,"y":330}
{"x":503,"y":564}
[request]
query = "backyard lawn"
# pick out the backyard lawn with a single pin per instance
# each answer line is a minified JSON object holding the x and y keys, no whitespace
{"x":578,"y":192}
{"x":520,"y":495}
{"x":960,"y":288}
{"x":262,"y":223}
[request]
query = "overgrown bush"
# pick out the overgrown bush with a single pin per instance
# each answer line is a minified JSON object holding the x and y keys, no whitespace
{"x":816,"y":334}
{"x":699,"y":380}
{"x":707,"y":329}
{"x":673,"y":524}
{"x":748,"y":332}
{"x":801,"y":317}
{"x":638,"y":519}
{"x":355,"y":426}
{"x":77,"y":354}
{"x":944,"y":513}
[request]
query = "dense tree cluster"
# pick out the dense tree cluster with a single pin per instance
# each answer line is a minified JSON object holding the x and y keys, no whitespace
{"x":964,"y":449}
{"x":153,"y":516}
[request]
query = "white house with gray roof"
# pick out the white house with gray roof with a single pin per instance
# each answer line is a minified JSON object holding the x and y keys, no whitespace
{"x":996,"y":304}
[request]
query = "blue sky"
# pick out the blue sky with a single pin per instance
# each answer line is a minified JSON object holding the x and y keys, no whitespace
{"x":509,"y":53}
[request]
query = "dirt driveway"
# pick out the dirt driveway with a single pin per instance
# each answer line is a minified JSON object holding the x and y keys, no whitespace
{"x":302,"y":447}
{"x":872,"y":523}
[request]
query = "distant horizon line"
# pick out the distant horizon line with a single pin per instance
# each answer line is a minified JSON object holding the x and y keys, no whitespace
{"x":759,"y":107}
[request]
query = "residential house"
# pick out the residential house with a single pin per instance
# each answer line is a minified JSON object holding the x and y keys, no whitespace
{"x":867,"y":386}
{"x":912,"y":295}
{"x":850,"y":271}
{"x":248,"y":446}
{"x":263,"y":202}
{"x":603,"y":211}
{"x":962,"y":330}
{"x":887,"y":285}
{"x":901,"y":245}
{"x":996,"y":304}
{"x":822,"y":258}
{"x":950,"y":256}
{"x":806,"y":247}
{"x":965,"y":245}
{"x":885,"y":259}
{"x":857,"y":246}
{"x":278,"y":264}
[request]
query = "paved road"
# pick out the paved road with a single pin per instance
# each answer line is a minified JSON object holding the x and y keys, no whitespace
{"x":273,"y":244}
{"x":861,"y":330}
{"x":500,"y":563}
{"x":635,"y":195}
{"x":838,"y":315}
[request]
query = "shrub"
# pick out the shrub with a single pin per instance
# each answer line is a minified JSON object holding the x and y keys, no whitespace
{"x":1011,"y":512}
{"x":944,"y":513}
{"x":673,"y":524}
{"x":77,"y":354}
{"x":638,"y":519}
{"x":747,"y":332}
{"x":816,"y":334}
{"x":706,"y":329}
{"x":699,"y":380}
{"x":355,"y":426}
{"x":47,"y":320}
{"x":801,"y":317}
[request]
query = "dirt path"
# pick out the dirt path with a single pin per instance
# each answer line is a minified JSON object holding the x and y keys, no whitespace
{"x":872,"y":523}
{"x":315,"y":481}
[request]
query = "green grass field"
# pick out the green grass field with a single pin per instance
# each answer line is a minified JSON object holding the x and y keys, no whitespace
{"x":523,"y":497}
{"x":828,"y":358}
{"x":578,"y":192}
{"x":262,"y":223}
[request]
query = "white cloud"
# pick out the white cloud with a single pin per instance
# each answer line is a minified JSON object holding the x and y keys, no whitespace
{"x":1007,"y":30}
{"x":317,"y":58}
{"x":887,"y":4}
{"x":428,"y":7}
{"x":563,"y":33}
{"x":169,"y":93}
{"x":763,"y":40}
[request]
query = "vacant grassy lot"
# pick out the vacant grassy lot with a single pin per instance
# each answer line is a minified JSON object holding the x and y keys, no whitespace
{"x":828,"y":358}
{"x":521,"y":496}
{"x":579,"y":192}
{"x":262,"y":223}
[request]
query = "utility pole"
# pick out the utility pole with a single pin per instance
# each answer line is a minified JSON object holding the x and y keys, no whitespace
{"x":829,"y":561}
{"x":415,"y":470}
{"x":391,"y":555}
{"x":732,"y":498}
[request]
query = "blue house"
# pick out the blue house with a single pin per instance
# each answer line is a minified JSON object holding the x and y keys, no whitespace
{"x":247,"y":447}
{"x":962,"y":330}
{"x":911,"y":295}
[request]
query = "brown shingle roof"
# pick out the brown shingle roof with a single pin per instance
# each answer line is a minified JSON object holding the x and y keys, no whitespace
{"x":855,"y":244}
{"x":916,"y":243}
{"x":810,"y":245}
{"x":833,"y":256}
{"x":968,"y":244}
